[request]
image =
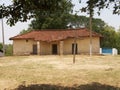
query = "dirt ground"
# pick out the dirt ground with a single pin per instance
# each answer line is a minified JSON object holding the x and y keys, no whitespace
{"x":58,"y":70}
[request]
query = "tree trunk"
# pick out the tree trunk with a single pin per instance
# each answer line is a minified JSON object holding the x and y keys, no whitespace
{"x":3,"y":37}
{"x":90,"y":22}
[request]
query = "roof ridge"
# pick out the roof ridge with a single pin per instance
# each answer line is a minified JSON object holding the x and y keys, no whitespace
{"x":58,"y":29}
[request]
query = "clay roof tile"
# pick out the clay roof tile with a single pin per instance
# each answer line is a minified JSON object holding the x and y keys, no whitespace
{"x":55,"y":35}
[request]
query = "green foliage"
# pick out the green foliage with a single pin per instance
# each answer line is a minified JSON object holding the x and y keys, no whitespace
{"x":118,"y":41}
{"x":54,"y":20}
{"x":98,"y":25}
{"x":1,"y":46}
{"x":9,"y":50}
{"x":78,"y":21}
{"x":25,"y":31}
{"x":109,"y":37}
{"x":98,"y":5}
{"x":83,"y":21}
{"x":23,"y":10}
{"x":58,"y":21}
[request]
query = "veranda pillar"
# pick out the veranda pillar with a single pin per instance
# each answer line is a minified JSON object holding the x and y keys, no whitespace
{"x":38,"y":47}
{"x":61,"y":47}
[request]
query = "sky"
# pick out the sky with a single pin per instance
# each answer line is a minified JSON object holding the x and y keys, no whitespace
{"x":106,"y":15}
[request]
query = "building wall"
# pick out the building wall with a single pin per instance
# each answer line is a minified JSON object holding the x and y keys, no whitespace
{"x":83,"y":45}
{"x":67,"y":49}
{"x":22,"y":47}
{"x":46,"y":47}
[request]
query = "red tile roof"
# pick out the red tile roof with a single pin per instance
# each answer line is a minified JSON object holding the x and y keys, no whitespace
{"x":55,"y":35}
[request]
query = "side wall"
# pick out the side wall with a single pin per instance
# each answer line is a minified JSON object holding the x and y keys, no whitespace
{"x":22,"y":47}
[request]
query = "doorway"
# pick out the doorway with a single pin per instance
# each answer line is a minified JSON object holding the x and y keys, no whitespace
{"x":35,"y":49}
{"x":54,"y":49}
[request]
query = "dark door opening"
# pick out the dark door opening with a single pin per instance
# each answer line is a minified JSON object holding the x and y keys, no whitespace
{"x":35,"y":49}
{"x":54,"y":49}
{"x":76,"y":49}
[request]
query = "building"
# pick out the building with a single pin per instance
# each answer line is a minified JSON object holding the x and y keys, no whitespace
{"x":55,"y":42}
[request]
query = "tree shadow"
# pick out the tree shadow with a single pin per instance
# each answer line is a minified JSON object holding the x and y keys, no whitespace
{"x":92,"y":86}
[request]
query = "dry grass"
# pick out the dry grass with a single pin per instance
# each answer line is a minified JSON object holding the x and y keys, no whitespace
{"x":59,"y":70}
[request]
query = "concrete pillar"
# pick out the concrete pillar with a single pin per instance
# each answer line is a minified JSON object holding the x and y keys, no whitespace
{"x":38,"y":47}
{"x":114,"y":51}
{"x":61,"y":47}
{"x":100,"y":50}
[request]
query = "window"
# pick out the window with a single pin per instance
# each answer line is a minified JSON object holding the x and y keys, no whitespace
{"x":26,"y":40}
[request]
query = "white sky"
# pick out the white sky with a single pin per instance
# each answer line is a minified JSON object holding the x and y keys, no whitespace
{"x":106,"y":15}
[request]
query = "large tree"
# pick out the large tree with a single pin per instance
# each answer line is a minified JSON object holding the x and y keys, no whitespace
{"x":22,"y":10}
{"x":83,"y":21}
{"x":109,"y":37}
{"x":1,"y":46}
{"x":54,"y":20}
{"x":98,"y":5}
{"x":118,"y":41}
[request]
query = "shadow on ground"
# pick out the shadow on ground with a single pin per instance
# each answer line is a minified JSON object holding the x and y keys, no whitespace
{"x":93,"y":86}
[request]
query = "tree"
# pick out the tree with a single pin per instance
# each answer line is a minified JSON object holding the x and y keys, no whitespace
{"x":1,"y":46}
{"x":83,"y":21}
{"x":51,"y":22}
{"x":109,"y":37}
{"x":24,"y":31}
{"x":118,"y":41}
{"x":55,"y":20}
{"x":9,"y":50}
{"x":78,"y":21}
{"x":23,"y":10}
{"x":101,"y":4}
{"x":72,"y":20}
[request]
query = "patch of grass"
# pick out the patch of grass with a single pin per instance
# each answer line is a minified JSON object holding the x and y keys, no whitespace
{"x":57,"y":70}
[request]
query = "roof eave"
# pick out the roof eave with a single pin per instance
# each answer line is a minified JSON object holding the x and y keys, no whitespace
{"x":21,"y":39}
